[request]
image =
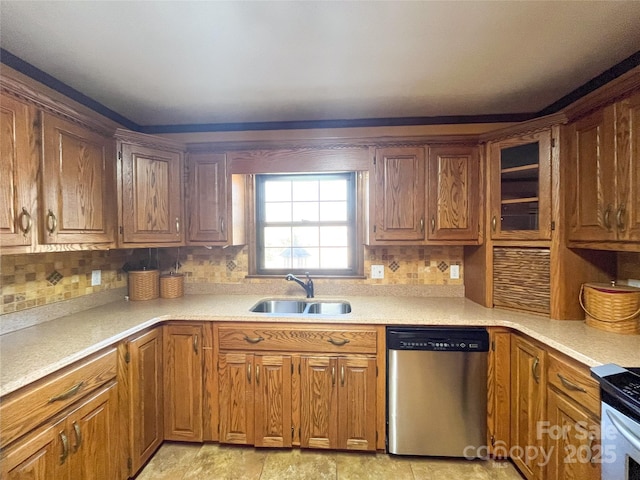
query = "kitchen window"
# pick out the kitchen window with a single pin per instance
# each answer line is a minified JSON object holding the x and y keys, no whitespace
{"x":306,"y":223}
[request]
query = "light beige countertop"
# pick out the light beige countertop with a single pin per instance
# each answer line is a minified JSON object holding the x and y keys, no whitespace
{"x":31,"y":353}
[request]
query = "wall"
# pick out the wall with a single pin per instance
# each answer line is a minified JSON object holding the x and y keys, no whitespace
{"x":628,"y":265}
{"x":28,"y":281}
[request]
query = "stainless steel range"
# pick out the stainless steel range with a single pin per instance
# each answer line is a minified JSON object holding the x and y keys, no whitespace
{"x":620,"y":427}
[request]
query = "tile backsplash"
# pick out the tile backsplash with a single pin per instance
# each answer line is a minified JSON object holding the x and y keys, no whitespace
{"x":32,"y":280}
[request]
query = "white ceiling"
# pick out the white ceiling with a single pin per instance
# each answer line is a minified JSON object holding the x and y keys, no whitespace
{"x":183,"y":62}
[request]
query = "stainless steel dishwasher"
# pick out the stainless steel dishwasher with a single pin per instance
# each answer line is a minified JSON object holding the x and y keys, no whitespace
{"x":436,"y":391}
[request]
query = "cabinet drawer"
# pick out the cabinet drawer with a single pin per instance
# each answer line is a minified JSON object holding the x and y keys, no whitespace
{"x":25,"y":409}
{"x":575,"y":383}
{"x":299,"y":339}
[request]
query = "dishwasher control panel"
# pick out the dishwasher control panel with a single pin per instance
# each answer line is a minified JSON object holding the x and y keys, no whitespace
{"x":438,"y":339}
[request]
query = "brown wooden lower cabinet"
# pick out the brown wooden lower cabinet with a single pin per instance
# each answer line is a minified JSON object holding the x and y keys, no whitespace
{"x":183,"y":381}
{"x":80,"y":445}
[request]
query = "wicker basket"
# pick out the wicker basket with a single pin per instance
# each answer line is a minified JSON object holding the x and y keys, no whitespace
{"x":171,"y":285}
{"x":611,"y":307}
{"x":143,"y":284}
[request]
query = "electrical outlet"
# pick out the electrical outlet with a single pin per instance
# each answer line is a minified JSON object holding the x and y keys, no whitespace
{"x":377,"y":271}
{"x":96,"y":277}
{"x":633,"y":283}
{"x":454,"y":272}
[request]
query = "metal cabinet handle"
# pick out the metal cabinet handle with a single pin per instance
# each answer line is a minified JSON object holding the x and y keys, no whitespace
{"x":65,"y":447}
{"x":494,"y":223}
{"x":433,"y":224}
{"x":422,"y":224}
{"x":570,"y":385}
{"x":24,"y":214}
{"x":607,"y":217}
{"x":222,"y":225}
{"x":76,"y":429}
{"x":534,"y":370}
{"x":52,"y":222}
{"x":257,"y":339}
{"x":620,"y":216}
{"x":338,"y":343}
{"x":249,"y":372}
{"x":195,"y":344}
{"x":333,"y":375}
{"x":257,"y":374}
{"x":342,"y":375}
{"x":177,"y":226}
{"x":68,"y":394}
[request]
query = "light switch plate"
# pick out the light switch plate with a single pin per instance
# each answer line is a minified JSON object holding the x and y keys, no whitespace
{"x":377,"y":271}
{"x":454,"y":272}
{"x":96,"y":277}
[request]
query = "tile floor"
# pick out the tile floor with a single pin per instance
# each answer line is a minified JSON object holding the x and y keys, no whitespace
{"x":179,"y":461}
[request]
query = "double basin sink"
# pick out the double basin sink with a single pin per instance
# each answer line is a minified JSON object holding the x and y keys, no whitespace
{"x":302,"y":307}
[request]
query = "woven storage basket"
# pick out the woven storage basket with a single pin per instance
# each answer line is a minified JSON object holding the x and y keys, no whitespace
{"x":143,"y":284}
{"x":611,"y":307}
{"x":171,"y":285}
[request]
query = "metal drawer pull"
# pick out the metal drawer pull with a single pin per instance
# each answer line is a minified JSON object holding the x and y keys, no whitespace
{"x":177,"y":226}
{"x":571,"y":385}
{"x":338,"y":343}
{"x":24,"y":214}
{"x":620,"y":218}
{"x":52,"y":222}
{"x":65,"y":447}
{"x":342,"y":375}
{"x":68,"y":394}
{"x":76,"y":429}
{"x":494,"y":223}
{"x":249,"y":372}
{"x":222,"y":225}
{"x":257,"y":374}
{"x":433,"y":224}
{"x":534,"y":370}
{"x":422,"y":224}
{"x":195,"y":344}
{"x":607,"y":215}
{"x":257,"y":339}
{"x":333,"y":375}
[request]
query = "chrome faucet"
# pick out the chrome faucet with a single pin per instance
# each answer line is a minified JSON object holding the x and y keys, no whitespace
{"x":308,"y":286}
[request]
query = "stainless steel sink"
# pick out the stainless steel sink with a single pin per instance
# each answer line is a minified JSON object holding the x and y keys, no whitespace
{"x":300,"y":307}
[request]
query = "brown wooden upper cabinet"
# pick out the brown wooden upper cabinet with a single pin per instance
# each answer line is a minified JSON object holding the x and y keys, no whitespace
{"x":453,"y":196}
{"x":398,"y":203}
{"x":19,"y":165}
{"x":604,"y":180}
{"x":150,"y":184}
{"x":520,"y":187}
{"x":216,"y":207}
{"x":77,"y":186}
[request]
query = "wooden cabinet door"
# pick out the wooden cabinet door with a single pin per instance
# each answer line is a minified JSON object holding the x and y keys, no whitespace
{"x":151,"y":185}
{"x":627,"y":217}
{"x":319,"y":402}
{"x":146,"y":417}
{"x":572,"y":441}
{"x":399,"y":192}
{"x":208,"y":198}
{"x":528,"y":387}
{"x":183,"y":382}
{"x":41,"y":455}
{"x":499,"y":393}
{"x":93,"y":439}
{"x":273,"y":401}
{"x":236,"y":399}
{"x":18,"y":164}
{"x":453,"y":197}
{"x":591,"y":208}
{"x":77,"y":184}
{"x":520,"y":187}
{"x":357,"y":403}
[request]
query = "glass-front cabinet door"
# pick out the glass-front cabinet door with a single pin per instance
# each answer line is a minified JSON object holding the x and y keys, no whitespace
{"x":520,"y":189}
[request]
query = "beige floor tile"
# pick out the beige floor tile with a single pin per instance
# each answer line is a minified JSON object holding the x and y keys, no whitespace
{"x":366,"y":466}
{"x":171,"y":462}
{"x":503,"y":470}
{"x":299,"y":465}
{"x":224,"y":462}
{"x":437,"y":469}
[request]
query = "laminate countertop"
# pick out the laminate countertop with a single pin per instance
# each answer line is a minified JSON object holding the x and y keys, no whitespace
{"x":32,"y":353}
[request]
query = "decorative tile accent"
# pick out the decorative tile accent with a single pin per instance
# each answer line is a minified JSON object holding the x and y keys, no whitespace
{"x":394,"y":266}
{"x":442,"y":266}
{"x":54,"y":277}
{"x":231,"y":265}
